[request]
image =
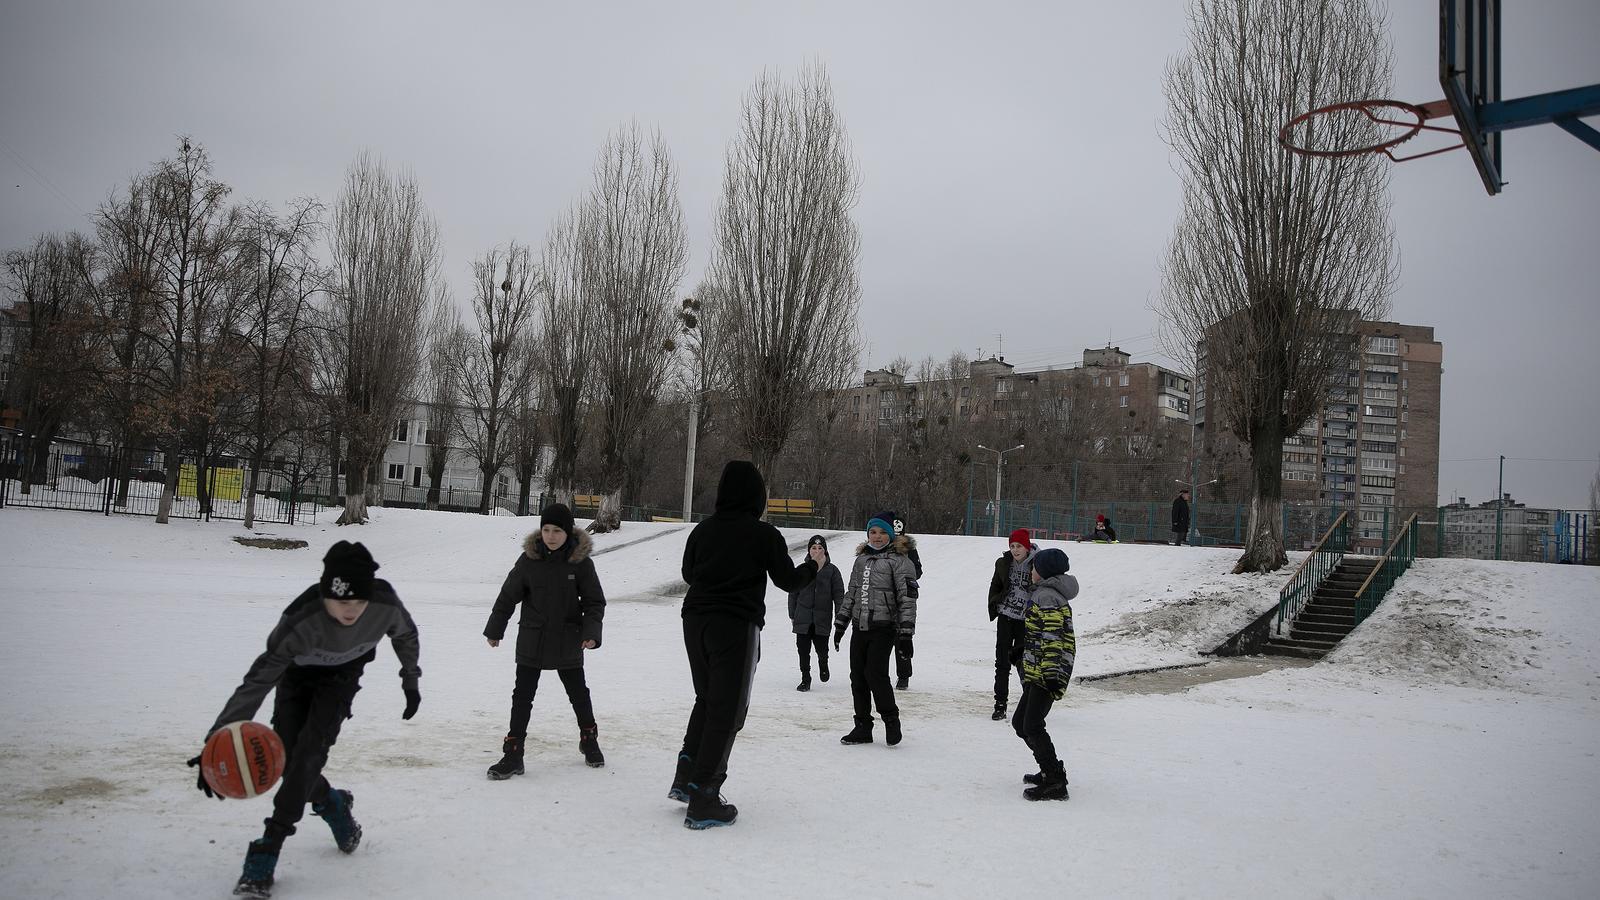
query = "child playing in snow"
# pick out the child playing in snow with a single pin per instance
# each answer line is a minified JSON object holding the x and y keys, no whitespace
{"x":902,"y":662}
{"x":880,"y":606}
{"x":726,"y":563}
{"x":1103,"y":532}
{"x":1047,"y":655}
{"x":1009,"y":589}
{"x":562,"y":609}
{"x":811,"y":610}
{"x":314,"y":659}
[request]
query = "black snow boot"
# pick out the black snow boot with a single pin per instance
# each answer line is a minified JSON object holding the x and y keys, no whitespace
{"x":589,"y":745}
{"x":861,"y":734}
{"x":511,"y":763}
{"x":999,"y":713}
{"x":336,"y":812}
{"x":1038,"y":778}
{"x":805,"y":682}
{"x":902,"y":683}
{"x":707,"y":808}
{"x":1053,"y":786}
{"x":822,"y":666}
{"x":891,"y":729}
{"x":680,"y":779}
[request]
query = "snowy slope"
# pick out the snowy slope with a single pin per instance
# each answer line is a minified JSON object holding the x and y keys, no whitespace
{"x":1447,"y":749}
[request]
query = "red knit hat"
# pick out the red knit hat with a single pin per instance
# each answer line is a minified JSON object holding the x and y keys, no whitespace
{"x":1021,"y":536}
{"x":1100,"y":517}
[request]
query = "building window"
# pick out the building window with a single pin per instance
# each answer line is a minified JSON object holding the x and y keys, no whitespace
{"x":1123,"y":380}
{"x":1385,"y":345}
{"x":400,"y":430}
{"x":1402,"y":416}
{"x":855,"y":403}
{"x":397,"y":471}
{"x":416,"y":476}
{"x":1123,"y":401}
{"x":1002,"y":386}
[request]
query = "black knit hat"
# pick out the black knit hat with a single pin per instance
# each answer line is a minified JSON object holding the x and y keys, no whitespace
{"x":347,"y":572}
{"x":815,"y":540}
{"x":558,"y":515}
{"x":1050,"y":562}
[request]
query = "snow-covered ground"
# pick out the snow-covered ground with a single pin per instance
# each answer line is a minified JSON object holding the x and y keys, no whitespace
{"x":1447,"y":749}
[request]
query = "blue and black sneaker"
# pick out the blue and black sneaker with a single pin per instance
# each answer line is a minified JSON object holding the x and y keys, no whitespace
{"x":260,"y":861}
{"x":680,"y":779}
{"x":707,"y":809}
{"x":336,"y":812}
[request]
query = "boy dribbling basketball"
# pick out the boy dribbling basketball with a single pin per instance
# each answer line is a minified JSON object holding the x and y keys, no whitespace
{"x":314,"y":659}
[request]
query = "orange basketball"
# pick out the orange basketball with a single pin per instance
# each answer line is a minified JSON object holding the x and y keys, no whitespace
{"x":242,"y":759}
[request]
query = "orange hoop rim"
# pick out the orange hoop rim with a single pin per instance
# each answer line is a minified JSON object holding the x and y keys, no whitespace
{"x":1377,"y":111}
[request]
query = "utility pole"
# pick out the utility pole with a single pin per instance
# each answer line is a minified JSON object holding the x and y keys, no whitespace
{"x":688,"y":462}
{"x":999,"y":480}
{"x":1499,"y":506}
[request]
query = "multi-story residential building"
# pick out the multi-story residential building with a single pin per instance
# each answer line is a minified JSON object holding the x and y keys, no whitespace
{"x":993,"y":389}
{"x":405,"y":463}
{"x":1374,"y":446}
{"x":1523,"y":534}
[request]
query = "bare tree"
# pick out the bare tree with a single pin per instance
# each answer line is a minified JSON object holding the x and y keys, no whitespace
{"x":385,"y":248}
{"x":639,"y":254}
{"x":50,"y":369}
{"x":524,"y":446}
{"x":1274,"y":254}
{"x":491,"y":366}
{"x":566,"y":340}
{"x":441,"y":386}
{"x":785,"y":258}
{"x":280,"y":275}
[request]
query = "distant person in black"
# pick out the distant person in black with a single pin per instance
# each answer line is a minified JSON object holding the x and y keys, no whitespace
{"x":1180,"y":518}
{"x":726,"y":563}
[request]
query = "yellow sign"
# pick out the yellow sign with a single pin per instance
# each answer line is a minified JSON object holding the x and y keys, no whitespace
{"x":226,"y":484}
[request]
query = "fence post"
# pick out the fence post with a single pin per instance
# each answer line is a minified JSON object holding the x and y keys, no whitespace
{"x":1073,"y":527}
{"x":1386,"y":527}
{"x":293,"y":481}
{"x":1236,"y":534}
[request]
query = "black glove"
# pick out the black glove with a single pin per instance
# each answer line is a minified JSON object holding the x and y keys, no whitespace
{"x":838,"y":635}
{"x":904,"y":646}
{"x":994,"y":611}
{"x":200,"y":782}
{"x":912,"y":589}
{"x":413,"y":700}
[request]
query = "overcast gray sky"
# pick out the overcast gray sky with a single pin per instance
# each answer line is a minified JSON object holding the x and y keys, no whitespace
{"x":1014,"y":178}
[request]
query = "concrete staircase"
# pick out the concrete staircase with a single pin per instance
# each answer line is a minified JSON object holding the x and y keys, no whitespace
{"x":1329,"y":616}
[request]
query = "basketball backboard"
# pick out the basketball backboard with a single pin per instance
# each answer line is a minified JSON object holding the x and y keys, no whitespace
{"x":1469,"y":72}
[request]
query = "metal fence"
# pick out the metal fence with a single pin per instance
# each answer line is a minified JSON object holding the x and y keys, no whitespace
{"x":73,"y":475}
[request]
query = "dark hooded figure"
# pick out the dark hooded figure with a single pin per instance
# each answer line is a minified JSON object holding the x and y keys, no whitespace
{"x":726,"y":563}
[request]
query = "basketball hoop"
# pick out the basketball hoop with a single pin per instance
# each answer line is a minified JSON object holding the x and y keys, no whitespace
{"x":1380,"y":112}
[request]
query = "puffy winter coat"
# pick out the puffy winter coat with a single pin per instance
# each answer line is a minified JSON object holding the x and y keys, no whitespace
{"x":1011,"y":585}
{"x":1048,"y":643}
{"x":562,"y":604}
{"x":1180,"y":514}
{"x":814,"y":606}
{"x":879,"y":595}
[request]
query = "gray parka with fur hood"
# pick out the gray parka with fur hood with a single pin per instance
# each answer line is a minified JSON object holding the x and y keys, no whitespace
{"x":879,"y":595}
{"x":562,"y":604}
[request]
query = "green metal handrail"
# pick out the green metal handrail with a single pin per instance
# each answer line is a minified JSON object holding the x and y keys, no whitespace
{"x":1396,"y":560}
{"x":1314,"y":570}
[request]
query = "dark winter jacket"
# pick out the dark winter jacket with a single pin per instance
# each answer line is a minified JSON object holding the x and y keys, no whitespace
{"x":1049,"y":646}
{"x":1180,"y":514}
{"x":562,"y":604}
{"x":307,"y":636}
{"x":1010,"y":587}
{"x":814,"y":605}
{"x":879,"y":595}
{"x":730,"y":556}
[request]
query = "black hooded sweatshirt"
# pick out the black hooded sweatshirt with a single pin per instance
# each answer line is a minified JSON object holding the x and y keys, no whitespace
{"x":730,"y":556}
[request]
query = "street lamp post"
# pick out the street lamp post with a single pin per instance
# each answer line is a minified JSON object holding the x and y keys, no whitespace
{"x":999,"y":476}
{"x":1194,"y":505}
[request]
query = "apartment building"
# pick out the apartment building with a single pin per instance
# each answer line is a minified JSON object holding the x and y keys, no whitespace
{"x":1374,"y":446}
{"x":993,"y":389}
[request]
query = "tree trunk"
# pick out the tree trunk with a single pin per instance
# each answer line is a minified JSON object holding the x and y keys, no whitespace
{"x":355,"y":494}
{"x":250,"y":493}
{"x":609,"y":516}
{"x":169,"y":487}
{"x":485,"y":495}
{"x":525,"y":478}
{"x":1263,"y":547}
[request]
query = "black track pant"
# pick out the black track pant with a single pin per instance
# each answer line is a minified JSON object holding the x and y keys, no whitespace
{"x":528,"y":685}
{"x":1008,"y":634}
{"x":1028,"y":723}
{"x":722,"y":653}
{"x":869,"y":673}
{"x":805,"y":643}
{"x":312,"y":703}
